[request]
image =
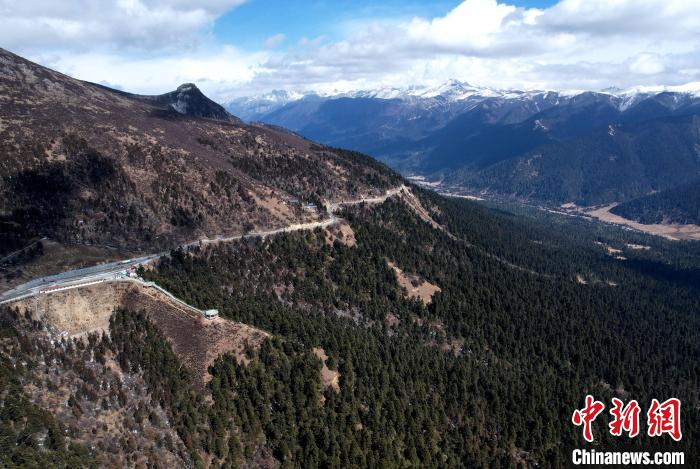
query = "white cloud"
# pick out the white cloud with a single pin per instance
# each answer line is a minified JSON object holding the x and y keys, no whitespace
{"x":472,"y":25}
{"x":582,"y":44}
{"x":274,"y":41}
{"x":214,"y":72}
{"x":585,"y":44}
{"x":664,"y":19}
{"x":647,"y":64}
{"x":114,"y":24}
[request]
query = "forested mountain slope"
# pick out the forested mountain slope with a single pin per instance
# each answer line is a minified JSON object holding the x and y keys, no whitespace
{"x":69,"y":404}
{"x":678,"y":205}
{"x":487,"y":374}
{"x":613,"y":163}
{"x":526,"y":320}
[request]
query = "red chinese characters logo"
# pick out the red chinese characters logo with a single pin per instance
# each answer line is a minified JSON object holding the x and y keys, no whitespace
{"x":662,"y":418}
{"x":665,"y":418}
{"x":624,"y":418}
{"x":587,"y":415}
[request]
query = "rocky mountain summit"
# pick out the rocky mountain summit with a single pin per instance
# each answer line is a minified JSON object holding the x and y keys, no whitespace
{"x":188,"y":100}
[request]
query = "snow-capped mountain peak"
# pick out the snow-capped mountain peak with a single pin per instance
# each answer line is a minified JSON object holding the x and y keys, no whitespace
{"x":455,"y":90}
{"x":461,"y":93}
{"x":692,"y":88}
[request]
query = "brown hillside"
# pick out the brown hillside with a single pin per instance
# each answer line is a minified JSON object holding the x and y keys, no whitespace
{"x":81,"y":163}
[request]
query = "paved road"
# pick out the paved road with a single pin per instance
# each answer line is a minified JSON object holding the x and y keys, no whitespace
{"x":116,"y":270}
{"x":334,"y":207}
{"x":73,"y":278}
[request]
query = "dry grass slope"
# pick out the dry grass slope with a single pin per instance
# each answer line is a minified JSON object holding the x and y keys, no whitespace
{"x":413,"y":286}
{"x":329,"y":378}
{"x":196,"y":341}
{"x":89,"y":165}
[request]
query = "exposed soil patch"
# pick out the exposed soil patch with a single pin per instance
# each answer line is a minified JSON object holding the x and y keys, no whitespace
{"x":280,"y":211}
{"x":441,"y":340}
{"x":198,"y":342}
{"x":352,"y":313}
{"x":78,"y":311}
{"x":392,"y":320}
{"x":423,"y":213}
{"x":414,"y":286}
{"x":435,"y":325}
{"x":341,"y":232}
{"x":456,"y":346}
{"x":609,"y":249}
{"x":329,"y":378}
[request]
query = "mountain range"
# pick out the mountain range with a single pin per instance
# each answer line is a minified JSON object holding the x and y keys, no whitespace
{"x":553,"y":146}
{"x":397,"y":328}
{"x":254,"y":107}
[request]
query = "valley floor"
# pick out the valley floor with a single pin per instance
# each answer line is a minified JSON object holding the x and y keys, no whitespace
{"x":671,"y":231}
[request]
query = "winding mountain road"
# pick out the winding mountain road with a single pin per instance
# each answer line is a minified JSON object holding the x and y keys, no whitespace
{"x":117,"y":270}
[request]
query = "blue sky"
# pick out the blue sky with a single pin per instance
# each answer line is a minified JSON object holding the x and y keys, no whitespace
{"x":252,"y":23}
{"x":233,"y":48}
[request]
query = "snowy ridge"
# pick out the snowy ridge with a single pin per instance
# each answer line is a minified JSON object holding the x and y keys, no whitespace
{"x":462,"y":93}
{"x":455,"y":90}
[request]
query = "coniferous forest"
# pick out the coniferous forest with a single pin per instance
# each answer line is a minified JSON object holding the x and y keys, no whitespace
{"x":533,"y":312}
{"x":528,"y":321}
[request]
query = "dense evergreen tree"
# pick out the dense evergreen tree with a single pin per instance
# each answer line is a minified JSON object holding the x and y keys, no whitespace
{"x":486,"y":375}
